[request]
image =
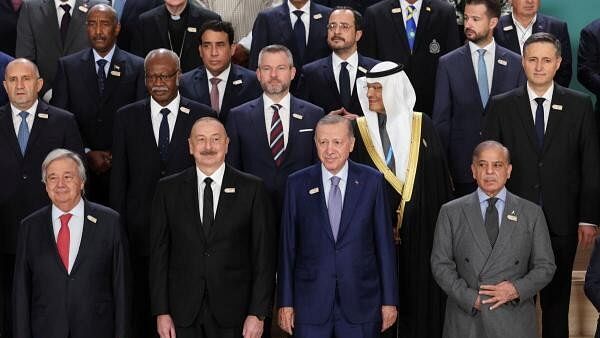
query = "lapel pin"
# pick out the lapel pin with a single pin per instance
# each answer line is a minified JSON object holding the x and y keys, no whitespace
{"x":229,"y":190}
{"x":192,"y":29}
{"x":185,"y":110}
{"x":297,"y":116}
{"x":317,"y":16}
{"x":313,"y":191}
{"x":396,"y":10}
{"x":557,"y":106}
{"x":362,"y":69}
{"x":92,"y":218}
{"x":305,"y":130}
{"x":512,"y":217}
{"x":424,"y":143}
{"x":356,"y":182}
{"x":237,"y":82}
{"x":428,"y":9}
{"x":82,"y":8}
{"x":117,"y":67}
{"x":115,"y":73}
{"x":434,"y":47}
{"x":508,"y":28}
{"x":43,"y":115}
{"x":502,"y":62}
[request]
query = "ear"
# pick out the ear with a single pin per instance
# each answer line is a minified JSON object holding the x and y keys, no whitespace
{"x":358,"y":35}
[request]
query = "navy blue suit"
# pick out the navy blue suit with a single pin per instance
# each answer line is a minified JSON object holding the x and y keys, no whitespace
{"x":506,"y":36}
{"x":458,"y":112}
{"x":359,"y":5}
{"x":242,"y":86}
{"x":130,"y":18}
{"x":317,"y":84}
{"x":4,"y":60}
{"x":249,"y":149}
{"x":274,"y":26}
{"x":588,"y":59}
{"x":360,"y":267}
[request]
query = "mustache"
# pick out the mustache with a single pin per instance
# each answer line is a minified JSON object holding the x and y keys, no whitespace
{"x":159,"y":89}
{"x":208,"y":153}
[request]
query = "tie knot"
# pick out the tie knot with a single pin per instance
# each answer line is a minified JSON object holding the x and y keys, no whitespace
{"x":335,"y":181}
{"x":492,"y":201}
{"x":24,"y":115}
{"x":66,"y":8}
{"x":481,"y":52}
{"x":540,"y":100}
{"x":411,"y":9}
{"x":382,"y":118}
{"x":276,"y":107}
{"x":214,"y":81}
{"x":64,"y":219}
{"x":165,"y":112}
{"x":101,"y":63}
{"x":298,"y":13}
{"x":208,"y":181}
{"x":344,"y":65}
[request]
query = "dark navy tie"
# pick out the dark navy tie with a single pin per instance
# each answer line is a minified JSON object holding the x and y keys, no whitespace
{"x":345,"y":86}
{"x":64,"y":22}
{"x":539,"y":121}
{"x":101,"y":75}
{"x":300,"y":35}
{"x":163,"y":135}
{"x":207,"y":206}
{"x":492,"y":225}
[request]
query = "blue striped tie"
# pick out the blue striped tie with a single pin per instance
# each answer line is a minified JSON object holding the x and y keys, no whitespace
{"x":411,"y":26}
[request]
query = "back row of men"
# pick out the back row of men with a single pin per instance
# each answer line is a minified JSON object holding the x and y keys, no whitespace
{"x":131,"y":150}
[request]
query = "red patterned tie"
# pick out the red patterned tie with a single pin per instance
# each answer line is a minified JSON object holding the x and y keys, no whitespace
{"x":63,"y":239}
{"x":276,"y":136}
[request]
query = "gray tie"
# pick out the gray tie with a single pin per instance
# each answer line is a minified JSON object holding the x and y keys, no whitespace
{"x":23,"y":135}
{"x":491,"y":220}
{"x":386,"y":144}
{"x":482,"y":78}
{"x":334,"y":206}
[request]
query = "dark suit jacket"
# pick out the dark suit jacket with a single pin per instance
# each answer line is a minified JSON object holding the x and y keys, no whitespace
{"x":91,"y":301}
{"x":249,"y":149}
{"x":4,"y":60}
{"x":8,"y":27}
{"x":564,"y":175}
{"x":130,"y":18}
{"x":137,"y":166}
{"x":242,"y":86}
{"x":76,"y":89}
{"x":317,"y":84}
{"x":234,"y":265}
{"x":274,"y":26}
{"x":38,"y":36}
{"x":360,"y":266}
{"x":592,"y":277}
{"x":506,"y":35}
{"x":359,"y":5}
{"x":22,"y":190}
{"x":152,"y":32}
{"x":385,"y":39}
{"x":457,"y":110}
{"x":588,"y":59}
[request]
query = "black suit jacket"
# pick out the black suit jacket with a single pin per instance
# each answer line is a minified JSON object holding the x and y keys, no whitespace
{"x":359,"y":5}
{"x":137,"y":166}
{"x":90,"y":302}
{"x":4,"y":60}
{"x":76,"y":89}
{"x":317,"y":84}
{"x":152,"y":32}
{"x":22,"y":190}
{"x":563,"y":175}
{"x":588,"y":62}
{"x":274,"y":26}
{"x":234,"y":265}
{"x":130,"y":18}
{"x":385,"y":39}
{"x":242,"y":86}
{"x":8,"y":27}
{"x":506,"y":36}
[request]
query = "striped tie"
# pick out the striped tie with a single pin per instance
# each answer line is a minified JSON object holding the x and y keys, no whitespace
{"x":276,"y":136}
{"x":411,"y":26}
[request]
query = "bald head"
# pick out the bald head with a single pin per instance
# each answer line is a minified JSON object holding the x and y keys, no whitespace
{"x":24,"y":63}
{"x":162,"y":75}
{"x":22,"y":83}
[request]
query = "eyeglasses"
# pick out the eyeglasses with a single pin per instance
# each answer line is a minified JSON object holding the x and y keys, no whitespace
{"x":344,"y":27}
{"x":161,"y":77}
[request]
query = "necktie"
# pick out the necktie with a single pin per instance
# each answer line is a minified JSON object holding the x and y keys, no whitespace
{"x":491,"y":220}
{"x":334,"y":206}
{"x":63,"y":239}
{"x":16,"y":4}
{"x":345,"y":85}
{"x":163,"y":135}
{"x":101,"y":75}
{"x":214,"y":93}
{"x":411,"y":26}
{"x":482,"y":79}
{"x":118,"y":5}
{"x":23,"y":135}
{"x":300,"y":35}
{"x":64,"y":22}
{"x":276,"y":136}
{"x":207,"y":206}
{"x":385,"y":143}
{"x":539,"y":121}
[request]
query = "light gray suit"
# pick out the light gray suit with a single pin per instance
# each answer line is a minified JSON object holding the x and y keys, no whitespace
{"x":462,"y":259}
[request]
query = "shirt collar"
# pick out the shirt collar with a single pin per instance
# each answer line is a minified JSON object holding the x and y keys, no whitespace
{"x":404,"y":4}
{"x":483,"y":197}
{"x":77,"y":211}
{"x":223,"y":76}
{"x":217,"y":176}
{"x":173,"y":106}
{"x":489,"y":48}
{"x":285,"y":102}
{"x":108,"y":56}
{"x":305,"y":8}
{"x":342,"y":174}
{"x":517,"y":23}
{"x":547,"y":95}
{"x":352,"y":60}
{"x":31,"y":109}
{"x":57,"y":4}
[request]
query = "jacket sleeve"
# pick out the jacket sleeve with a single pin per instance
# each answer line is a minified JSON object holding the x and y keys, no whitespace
{"x":592,"y":276}
{"x":21,"y":292}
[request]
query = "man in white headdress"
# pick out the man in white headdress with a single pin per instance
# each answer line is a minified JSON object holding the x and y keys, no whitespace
{"x":403,"y":145}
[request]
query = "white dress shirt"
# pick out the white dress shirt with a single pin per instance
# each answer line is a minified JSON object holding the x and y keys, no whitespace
{"x":305,"y":17}
{"x":326,"y":177}
{"x":17,"y":119}
{"x":404,"y":5}
{"x":75,"y":228}
{"x":60,"y":12}
{"x":156,"y":116}
{"x":523,"y":33}
{"x":488,"y":58}
{"x":284,"y":114}
{"x":352,"y":68}
{"x":221,"y":85}
{"x":216,"y":185}
{"x":533,"y":104}
{"x":108,"y":59}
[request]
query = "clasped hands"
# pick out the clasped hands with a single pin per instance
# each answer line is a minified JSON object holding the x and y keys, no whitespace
{"x":499,"y":294}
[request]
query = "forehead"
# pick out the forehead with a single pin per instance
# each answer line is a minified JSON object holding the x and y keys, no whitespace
{"x":276,"y":58}
{"x":492,"y":155}
{"x":207,"y":128}
{"x":19,"y":68}
{"x":540,"y":49}
{"x":100,"y":14}
{"x":161,"y":62}
{"x":342,"y":15}
{"x":214,"y":36}
{"x":64,"y":164}
{"x":475,"y":9}
{"x":335,"y":130}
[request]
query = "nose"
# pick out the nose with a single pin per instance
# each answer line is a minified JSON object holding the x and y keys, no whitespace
{"x":213,"y":51}
{"x":489,"y":169}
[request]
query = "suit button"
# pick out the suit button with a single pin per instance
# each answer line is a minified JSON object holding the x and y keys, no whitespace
{"x":516,"y":262}
{"x":536,"y":186}
{"x":163,"y":173}
{"x":99,"y":120}
{"x":24,"y":176}
{"x":467,"y":260}
{"x":540,"y":164}
{"x":206,"y":254}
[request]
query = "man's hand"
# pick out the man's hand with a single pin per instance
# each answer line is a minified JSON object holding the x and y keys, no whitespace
{"x":286,"y":319}
{"x":165,"y":326}
{"x":99,"y":161}
{"x":388,"y":316}
{"x":586,"y":235}
{"x":477,"y":305}
{"x":240,"y":55}
{"x":253,"y":327}
{"x":500,"y":293}
{"x":344,"y":113}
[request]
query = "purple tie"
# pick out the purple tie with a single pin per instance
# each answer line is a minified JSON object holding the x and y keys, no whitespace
{"x":334,"y":206}
{"x":214,"y":94}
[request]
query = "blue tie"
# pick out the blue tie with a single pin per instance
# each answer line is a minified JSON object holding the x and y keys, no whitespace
{"x":334,"y":206}
{"x":23,"y":136}
{"x":163,"y":135}
{"x":482,"y":79}
{"x":539,"y":121}
{"x":300,"y":36}
{"x":345,"y":86}
{"x":101,"y":75}
{"x":411,"y":26}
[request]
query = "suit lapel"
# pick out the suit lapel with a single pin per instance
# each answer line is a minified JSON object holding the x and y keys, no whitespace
{"x":8,"y":129}
{"x":327,"y":72}
{"x":39,"y":124}
{"x":510,"y":36}
{"x":89,"y":228}
{"x":49,"y":21}
{"x":315,"y":34}
{"x":423,"y":25}
{"x":524,"y":112}
{"x":117,"y":66}
{"x":351,"y":197}
{"x":506,"y":226}
{"x":90,"y":76}
{"x":226,"y":202}
{"x":78,"y":19}
{"x":316,"y":181}
{"x":470,"y":73}
{"x":539,"y":25}
{"x":555,"y":116}
{"x":285,"y":23}
{"x":500,"y":64}
{"x":201,"y":86}
{"x":398,"y":21}
{"x":472,"y":211}
{"x":257,"y":118}
{"x":179,"y":130}
{"x":231,"y":91}
{"x":52,"y":240}
{"x":160,"y":21}
{"x":191,"y":200}
{"x":295,"y":112}
{"x":147,"y":131}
